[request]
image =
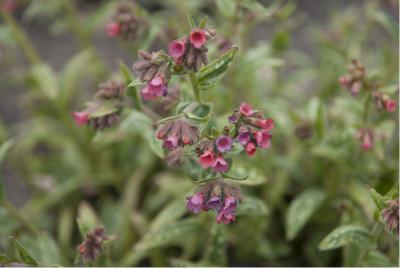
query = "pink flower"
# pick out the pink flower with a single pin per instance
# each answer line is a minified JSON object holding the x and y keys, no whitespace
{"x":366,"y":137}
{"x":250,"y":149}
{"x":344,"y":81}
{"x":155,"y":88}
{"x":195,"y":203}
{"x":220,"y":165}
{"x":390,"y":105}
{"x":171,"y":142}
{"x":81,"y":118}
{"x":263,"y":138}
{"x":223,"y":143}
{"x":245,"y":109}
{"x":198,"y":38}
{"x":113,"y":29}
{"x":206,"y":159}
{"x":266,"y":124}
{"x":176,"y":50}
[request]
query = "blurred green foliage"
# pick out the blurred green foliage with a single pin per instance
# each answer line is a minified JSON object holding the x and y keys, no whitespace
{"x":313,"y":199}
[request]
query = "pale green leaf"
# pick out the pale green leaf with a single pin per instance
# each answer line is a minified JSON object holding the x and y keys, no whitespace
{"x":344,"y":235}
{"x":301,"y":209}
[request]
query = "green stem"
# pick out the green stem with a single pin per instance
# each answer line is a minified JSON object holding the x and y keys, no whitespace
{"x":366,"y":108}
{"x":376,"y":231}
{"x":194,"y":83}
{"x":21,"y":38}
{"x":75,"y":24}
{"x":21,"y":219}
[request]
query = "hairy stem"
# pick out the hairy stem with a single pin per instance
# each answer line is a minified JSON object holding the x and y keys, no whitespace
{"x":194,"y":83}
{"x":21,"y":38}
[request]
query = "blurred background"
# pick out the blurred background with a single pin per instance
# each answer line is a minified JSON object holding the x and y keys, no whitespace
{"x":291,"y":54}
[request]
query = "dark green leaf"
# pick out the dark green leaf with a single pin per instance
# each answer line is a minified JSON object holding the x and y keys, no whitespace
{"x":253,"y":206}
{"x":215,"y":253}
{"x":209,"y":75}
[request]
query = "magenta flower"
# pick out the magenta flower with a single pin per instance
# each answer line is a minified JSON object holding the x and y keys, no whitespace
{"x":390,"y":105}
{"x":223,"y":143}
{"x":176,"y":50}
{"x":206,"y":159}
{"x":213,"y":203}
{"x":81,"y":118}
{"x":227,"y":213}
{"x":220,"y":165}
{"x":198,"y":38}
{"x":266,"y":124}
{"x":155,"y":88}
{"x":244,"y":138}
{"x":245,"y":109}
{"x":195,"y":203}
{"x":171,"y":142}
{"x":113,"y":29}
{"x":263,"y":138}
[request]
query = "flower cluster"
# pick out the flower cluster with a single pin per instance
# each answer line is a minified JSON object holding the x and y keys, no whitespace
{"x":390,"y":216}
{"x":356,"y":79}
{"x":105,"y":109}
{"x":218,"y":196}
{"x":353,"y":81}
{"x":252,"y":129}
{"x":125,"y":23}
{"x":366,"y":138}
{"x":177,"y":133}
{"x":190,"y":51}
{"x":91,"y":247}
{"x":155,"y":71}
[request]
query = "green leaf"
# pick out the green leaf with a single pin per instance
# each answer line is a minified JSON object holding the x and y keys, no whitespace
{"x":203,"y":22}
{"x":246,"y":174}
{"x":320,"y":122}
{"x":226,"y":7}
{"x":43,"y":249}
{"x":344,"y":235}
{"x":375,"y":258}
{"x":24,"y":254}
{"x":45,"y":80}
{"x":201,"y":113}
{"x":215,"y":253}
{"x":253,"y":207}
{"x":125,"y":72}
{"x":191,"y":22}
{"x":379,"y":199}
{"x":104,"y":108}
{"x":140,"y":124}
{"x":236,"y":149}
{"x":209,"y":75}
{"x":87,"y":219}
{"x":169,"y":214}
{"x":301,"y":209}
{"x":4,"y":148}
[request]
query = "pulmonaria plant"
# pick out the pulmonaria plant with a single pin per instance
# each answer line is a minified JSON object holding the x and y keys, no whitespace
{"x":185,"y":136}
{"x":125,"y":23}
{"x":105,"y":109}
{"x":216,"y":196}
{"x":92,"y":246}
{"x":357,"y":82}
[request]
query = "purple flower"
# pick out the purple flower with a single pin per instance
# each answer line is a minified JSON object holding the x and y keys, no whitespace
{"x":155,"y":88}
{"x":224,"y":143}
{"x":227,"y":213}
{"x":244,"y":138}
{"x":220,"y":165}
{"x":195,"y":203}
{"x":171,"y":142}
{"x":232,"y":118}
{"x":214,"y":203}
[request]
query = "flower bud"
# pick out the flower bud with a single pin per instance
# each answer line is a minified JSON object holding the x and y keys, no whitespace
{"x":390,"y":216}
{"x":390,"y":105}
{"x":81,"y":118}
{"x":91,"y":247}
{"x":113,"y":29}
